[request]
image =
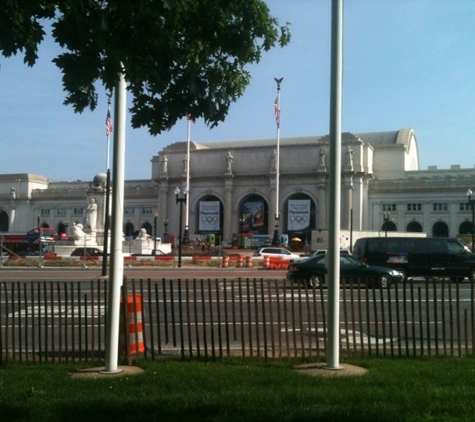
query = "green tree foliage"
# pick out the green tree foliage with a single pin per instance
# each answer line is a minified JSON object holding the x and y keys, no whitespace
{"x":179,"y":57}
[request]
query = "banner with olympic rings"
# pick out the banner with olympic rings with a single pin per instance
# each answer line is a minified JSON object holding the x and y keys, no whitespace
{"x":209,"y":216}
{"x":299,"y":214}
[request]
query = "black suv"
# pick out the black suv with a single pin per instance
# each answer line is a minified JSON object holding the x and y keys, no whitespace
{"x":87,"y":252}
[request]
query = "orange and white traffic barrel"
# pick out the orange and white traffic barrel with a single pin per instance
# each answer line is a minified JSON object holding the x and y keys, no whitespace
{"x":131,"y":333}
{"x":239,"y":262}
{"x":225,"y":262}
{"x":267,"y":261}
{"x":249,"y":261}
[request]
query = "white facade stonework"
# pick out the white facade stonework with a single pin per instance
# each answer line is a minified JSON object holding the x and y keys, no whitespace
{"x":380,"y":172}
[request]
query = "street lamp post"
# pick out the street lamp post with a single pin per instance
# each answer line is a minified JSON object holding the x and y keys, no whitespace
{"x":155,"y":234}
{"x":180,"y":199}
{"x":386,"y":219}
{"x":472,"y":202}
{"x":165,"y":233}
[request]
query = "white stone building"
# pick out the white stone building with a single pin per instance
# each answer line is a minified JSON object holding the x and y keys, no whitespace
{"x":233,"y":189}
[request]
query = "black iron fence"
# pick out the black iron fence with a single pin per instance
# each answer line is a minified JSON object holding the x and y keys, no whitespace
{"x":216,"y":318}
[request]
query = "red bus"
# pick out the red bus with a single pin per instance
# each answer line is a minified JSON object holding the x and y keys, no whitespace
{"x":37,"y":242}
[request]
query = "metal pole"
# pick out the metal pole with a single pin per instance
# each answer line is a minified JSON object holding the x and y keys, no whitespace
{"x":186,"y":237}
{"x":180,"y":240}
{"x":155,"y":235}
{"x":275,"y":239}
{"x":106,"y":223}
{"x":473,"y":225}
{"x":333,"y":262}
{"x":117,"y":259}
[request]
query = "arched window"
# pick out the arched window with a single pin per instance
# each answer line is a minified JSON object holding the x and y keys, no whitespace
{"x":466,"y":228}
{"x":440,"y":229}
{"x":4,"y":223}
{"x":388,"y":226}
{"x":129,"y":229}
{"x":414,"y":227}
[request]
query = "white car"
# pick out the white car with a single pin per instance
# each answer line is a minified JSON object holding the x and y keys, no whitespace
{"x":278,"y":252}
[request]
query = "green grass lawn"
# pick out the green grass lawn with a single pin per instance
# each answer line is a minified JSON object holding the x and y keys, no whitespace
{"x":432,"y":389}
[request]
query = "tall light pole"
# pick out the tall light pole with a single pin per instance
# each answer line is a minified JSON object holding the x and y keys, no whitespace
{"x":180,"y":199}
{"x":186,"y":236}
{"x":165,"y":233}
{"x":472,"y":202}
{"x":109,"y":130}
{"x":155,"y":234}
{"x":386,"y":219}
{"x":275,"y":239}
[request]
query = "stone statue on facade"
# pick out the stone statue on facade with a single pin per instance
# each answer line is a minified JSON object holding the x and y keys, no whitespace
{"x":273,"y":158}
{"x":91,"y":215}
{"x":229,"y":162}
{"x":165,"y":164}
{"x":185,"y":162}
{"x":349,"y":159}
{"x":323,"y":156}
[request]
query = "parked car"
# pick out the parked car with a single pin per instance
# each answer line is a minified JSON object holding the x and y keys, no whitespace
{"x":418,"y":256}
{"x":218,"y":252}
{"x":88,"y":251}
{"x":276,"y":252}
{"x":324,"y":251}
{"x":312,"y":271}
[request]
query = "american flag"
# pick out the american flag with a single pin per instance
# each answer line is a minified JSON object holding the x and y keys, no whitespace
{"x":277,"y":112}
{"x":109,"y":127}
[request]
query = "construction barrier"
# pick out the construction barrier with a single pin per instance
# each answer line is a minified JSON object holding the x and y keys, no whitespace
{"x":278,"y":263}
{"x":266,"y":261}
{"x":249,"y":261}
{"x":131,"y":332}
{"x":225,"y":261}
{"x":239,"y":262}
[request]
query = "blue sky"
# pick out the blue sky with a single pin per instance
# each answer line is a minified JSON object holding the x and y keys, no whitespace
{"x":407,"y":64}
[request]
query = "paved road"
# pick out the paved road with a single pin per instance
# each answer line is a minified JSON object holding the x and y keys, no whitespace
{"x":53,"y":274}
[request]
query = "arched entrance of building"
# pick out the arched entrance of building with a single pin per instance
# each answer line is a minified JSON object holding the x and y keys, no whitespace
{"x":300,"y":215}
{"x":254,"y":215}
{"x":129,"y":229}
{"x":388,"y":226}
{"x":414,"y":227}
{"x":210,"y":217}
{"x":440,"y":229}
{"x":4,"y":223}
{"x":148,"y":227}
{"x":466,"y":228}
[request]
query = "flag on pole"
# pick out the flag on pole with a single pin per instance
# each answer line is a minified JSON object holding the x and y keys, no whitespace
{"x":277,"y":112}
{"x":109,"y":128}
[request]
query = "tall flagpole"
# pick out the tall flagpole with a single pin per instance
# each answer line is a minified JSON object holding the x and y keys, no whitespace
{"x":275,"y":239}
{"x":186,"y":234}
{"x":333,"y":261}
{"x":109,"y":130}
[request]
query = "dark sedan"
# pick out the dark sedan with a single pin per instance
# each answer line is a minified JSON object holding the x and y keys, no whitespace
{"x":312,"y":272}
{"x":218,"y":253}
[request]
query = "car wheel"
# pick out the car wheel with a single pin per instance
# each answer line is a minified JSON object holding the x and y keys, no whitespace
{"x":404,"y":274}
{"x":471,"y":275}
{"x":315,"y":281}
{"x":384,"y":281}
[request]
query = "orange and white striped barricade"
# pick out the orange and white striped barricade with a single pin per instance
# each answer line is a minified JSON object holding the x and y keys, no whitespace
{"x":249,"y":261}
{"x":266,"y":261}
{"x":225,"y":261}
{"x":131,"y":333}
{"x":239,"y":262}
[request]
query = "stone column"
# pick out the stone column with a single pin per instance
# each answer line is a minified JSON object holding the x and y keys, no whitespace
{"x":346,"y":201}
{"x":228,"y":208}
{"x":162,"y":204}
{"x":322,"y":184}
